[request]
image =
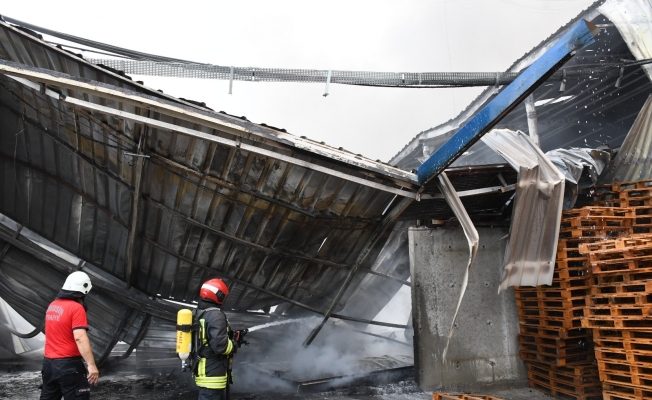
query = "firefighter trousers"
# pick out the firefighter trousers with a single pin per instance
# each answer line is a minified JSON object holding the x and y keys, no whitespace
{"x":65,"y":377}
{"x":212,"y":394}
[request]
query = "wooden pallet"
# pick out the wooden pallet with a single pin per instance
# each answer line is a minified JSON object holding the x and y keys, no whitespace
{"x":612,"y":395}
{"x":617,"y":187}
{"x":626,"y":378}
{"x":573,"y":284}
{"x":527,"y":313}
{"x":620,"y":334}
{"x":636,"y":193}
{"x":596,"y":232}
{"x":611,"y":277}
{"x":572,"y":253}
{"x":559,"y":305}
{"x":558,"y":385}
{"x":549,"y":293}
{"x":614,"y":299}
{"x":618,"y":323}
{"x":612,"y":391}
{"x":615,"y":289}
{"x":626,"y":369}
{"x":573,"y":243}
{"x":561,"y":333}
{"x":581,"y":358}
{"x":632,"y":357}
{"x":639,"y":251}
{"x":572,"y":353}
{"x":591,"y":222}
{"x":549,"y":322}
{"x":622,"y":265}
{"x":560,"y":290}
{"x":619,"y":243}
{"x":609,"y":200}
{"x":581,"y":263}
{"x":598,"y":212}
{"x":620,"y":311}
{"x":553,"y":341}
{"x":638,"y":345}
{"x":446,"y":396}
{"x":577,"y":375}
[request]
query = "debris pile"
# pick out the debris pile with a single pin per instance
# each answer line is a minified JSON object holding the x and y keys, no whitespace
{"x":619,"y":311}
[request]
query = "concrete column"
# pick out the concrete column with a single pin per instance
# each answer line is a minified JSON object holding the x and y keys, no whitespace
{"x":483,"y":352}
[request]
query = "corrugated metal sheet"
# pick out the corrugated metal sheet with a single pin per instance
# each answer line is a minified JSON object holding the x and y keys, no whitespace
{"x":532,"y":247}
{"x":472,"y":237}
{"x":633,"y":161}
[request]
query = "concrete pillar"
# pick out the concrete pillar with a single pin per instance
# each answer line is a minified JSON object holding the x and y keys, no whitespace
{"x":483,"y":352}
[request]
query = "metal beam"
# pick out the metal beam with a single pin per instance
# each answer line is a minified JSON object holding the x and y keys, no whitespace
{"x":243,"y":242}
{"x":384,"y":275}
{"x":233,"y":143}
{"x":388,"y":221}
{"x":472,"y":192}
{"x":575,"y":39}
{"x":135,"y":205}
{"x":245,"y":129}
{"x":368,"y":321}
{"x":531,"y":114}
{"x":8,"y":245}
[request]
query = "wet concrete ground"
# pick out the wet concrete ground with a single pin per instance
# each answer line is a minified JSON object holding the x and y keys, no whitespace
{"x":24,"y":386}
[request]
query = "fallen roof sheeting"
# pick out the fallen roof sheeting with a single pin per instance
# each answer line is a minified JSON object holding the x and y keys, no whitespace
{"x":472,"y":237}
{"x":532,"y":246}
{"x":581,"y":168}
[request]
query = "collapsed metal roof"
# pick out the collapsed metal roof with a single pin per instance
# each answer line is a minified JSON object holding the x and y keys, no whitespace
{"x":161,"y":194}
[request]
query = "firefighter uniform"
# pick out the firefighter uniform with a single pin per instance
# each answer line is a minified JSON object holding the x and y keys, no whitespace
{"x":211,"y":372}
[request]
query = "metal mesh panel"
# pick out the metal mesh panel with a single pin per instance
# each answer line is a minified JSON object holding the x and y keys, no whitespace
{"x":363,"y":78}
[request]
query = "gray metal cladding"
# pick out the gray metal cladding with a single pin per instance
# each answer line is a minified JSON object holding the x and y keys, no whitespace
{"x":277,"y":231}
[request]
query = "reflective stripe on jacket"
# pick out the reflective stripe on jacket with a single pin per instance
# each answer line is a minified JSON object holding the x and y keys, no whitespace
{"x":214,"y":334}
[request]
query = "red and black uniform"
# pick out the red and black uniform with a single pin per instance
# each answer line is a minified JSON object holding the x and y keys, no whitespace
{"x":64,"y":372}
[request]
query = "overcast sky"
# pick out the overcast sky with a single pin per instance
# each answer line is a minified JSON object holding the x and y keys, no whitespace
{"x":389,"y":36}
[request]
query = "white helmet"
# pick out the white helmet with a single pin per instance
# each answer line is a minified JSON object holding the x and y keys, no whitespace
{"x":78,"y":282}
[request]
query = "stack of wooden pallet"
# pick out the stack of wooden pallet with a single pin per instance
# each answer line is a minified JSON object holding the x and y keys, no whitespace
{"x":444,"y":396}
{"x":619,"y":311}
{"x":636,"y":196}
{"x":558,"y":351}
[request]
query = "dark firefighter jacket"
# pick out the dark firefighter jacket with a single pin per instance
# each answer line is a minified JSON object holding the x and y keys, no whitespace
{"x":215,"y":347}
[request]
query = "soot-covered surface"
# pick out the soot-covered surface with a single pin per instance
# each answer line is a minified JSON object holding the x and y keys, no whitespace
{"x":24,"y":386}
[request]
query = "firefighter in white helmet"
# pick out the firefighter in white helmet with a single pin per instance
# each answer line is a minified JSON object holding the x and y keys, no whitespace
{"x":67,"y":345}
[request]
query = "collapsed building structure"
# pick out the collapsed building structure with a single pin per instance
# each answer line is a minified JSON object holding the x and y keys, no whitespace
{"x":151,"y":195}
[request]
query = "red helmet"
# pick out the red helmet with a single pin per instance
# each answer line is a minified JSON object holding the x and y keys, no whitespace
{"x":215,"y":290}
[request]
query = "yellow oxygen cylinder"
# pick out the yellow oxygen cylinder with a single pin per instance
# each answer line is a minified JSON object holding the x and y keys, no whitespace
{"x":184,"y":335}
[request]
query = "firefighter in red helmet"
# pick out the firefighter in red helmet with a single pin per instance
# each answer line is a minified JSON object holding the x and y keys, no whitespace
{"x":215,"y":348}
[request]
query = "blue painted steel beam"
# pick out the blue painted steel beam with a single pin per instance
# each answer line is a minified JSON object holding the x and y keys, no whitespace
{"x":578,"y":37}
